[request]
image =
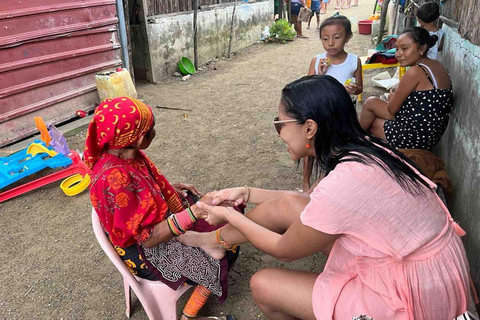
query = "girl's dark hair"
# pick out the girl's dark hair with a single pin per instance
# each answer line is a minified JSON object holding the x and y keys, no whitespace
{"x":339,"y":137}
{"x":337,"y":19}
{"x":421,"y":36}
{"x":428,"y":12}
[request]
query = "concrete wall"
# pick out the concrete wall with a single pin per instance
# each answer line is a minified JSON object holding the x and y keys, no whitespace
{"x":170,"y":36}
{"x":460,"y":145}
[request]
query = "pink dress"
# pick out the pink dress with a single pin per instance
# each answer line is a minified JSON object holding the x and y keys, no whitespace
{"x":399,"y":256}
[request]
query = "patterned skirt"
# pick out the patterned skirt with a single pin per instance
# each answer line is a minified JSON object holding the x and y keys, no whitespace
{"x":174,"y":263}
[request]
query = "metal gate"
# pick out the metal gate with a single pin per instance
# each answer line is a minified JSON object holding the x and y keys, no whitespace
{"x":50,"y":51}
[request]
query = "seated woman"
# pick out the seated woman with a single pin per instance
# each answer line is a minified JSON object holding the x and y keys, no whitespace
{"x":394,"y":252}
{"x":140,"y":210}
{"x":416,"y":115}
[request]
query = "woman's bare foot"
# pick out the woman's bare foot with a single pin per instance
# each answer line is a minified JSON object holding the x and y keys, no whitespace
{"x":204,"y":240}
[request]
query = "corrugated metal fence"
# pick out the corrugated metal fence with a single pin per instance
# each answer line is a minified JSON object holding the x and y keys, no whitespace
{"x":50,"y":51}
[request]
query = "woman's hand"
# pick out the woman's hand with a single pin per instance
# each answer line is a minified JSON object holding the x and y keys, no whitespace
{"x":215,"y":215}
{"x":390,"y":95}
{"x":230,"y":197}
{"x":198,"y":212}
{"x":180,"y":187}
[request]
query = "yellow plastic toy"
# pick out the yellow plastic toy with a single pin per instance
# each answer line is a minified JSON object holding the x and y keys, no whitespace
{"x":75,"y":184}
{"x":35,"y":148}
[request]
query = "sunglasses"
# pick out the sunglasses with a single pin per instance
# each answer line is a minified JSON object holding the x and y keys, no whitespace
{"x":279,"y":123}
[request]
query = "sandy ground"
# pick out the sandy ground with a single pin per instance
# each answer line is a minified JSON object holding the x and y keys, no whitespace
{"x":53,"y":267}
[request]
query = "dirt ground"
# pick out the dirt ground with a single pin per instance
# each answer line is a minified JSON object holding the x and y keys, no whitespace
{"x":53,"y":267}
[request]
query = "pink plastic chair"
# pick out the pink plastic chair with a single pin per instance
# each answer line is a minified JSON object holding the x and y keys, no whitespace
{"x":158,"y":300}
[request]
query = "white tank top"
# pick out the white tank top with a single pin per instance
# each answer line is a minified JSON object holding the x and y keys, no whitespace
{"x":343,"y":71}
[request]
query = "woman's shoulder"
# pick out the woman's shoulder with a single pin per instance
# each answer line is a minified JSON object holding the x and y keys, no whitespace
{"x":106,"y":170}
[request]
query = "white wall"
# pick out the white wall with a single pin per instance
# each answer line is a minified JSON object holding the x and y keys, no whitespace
{"x":170,"y":36}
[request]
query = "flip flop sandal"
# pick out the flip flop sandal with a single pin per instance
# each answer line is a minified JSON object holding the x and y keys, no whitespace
{"x":227,"y":317}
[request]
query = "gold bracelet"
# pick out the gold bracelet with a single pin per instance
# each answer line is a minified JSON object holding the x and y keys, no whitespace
{"x":248,"y":193}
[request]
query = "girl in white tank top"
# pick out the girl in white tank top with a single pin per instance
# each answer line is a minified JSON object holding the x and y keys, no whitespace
{"x":335,"y":32}
{"x":345,"y":67}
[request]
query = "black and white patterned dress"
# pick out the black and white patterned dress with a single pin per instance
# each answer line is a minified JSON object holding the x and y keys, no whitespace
{"x":422,"y":118}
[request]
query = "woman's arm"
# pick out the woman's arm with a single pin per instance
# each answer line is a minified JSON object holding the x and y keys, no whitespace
{"x":297,"y":242}
{"x":406,"y":86}
{"x":236,"y":196}
{"x":161,"y":232}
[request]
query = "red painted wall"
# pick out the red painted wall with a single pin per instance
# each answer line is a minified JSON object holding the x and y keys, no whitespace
{"x":50,"y":51}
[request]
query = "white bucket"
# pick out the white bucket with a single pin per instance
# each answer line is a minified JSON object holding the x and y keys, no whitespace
{"x":354,"y":23}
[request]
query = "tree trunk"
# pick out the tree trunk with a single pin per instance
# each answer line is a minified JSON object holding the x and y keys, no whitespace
{"x":383,"y":18}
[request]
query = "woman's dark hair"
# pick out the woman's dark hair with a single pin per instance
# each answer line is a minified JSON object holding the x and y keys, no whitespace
{"x":428,"y":12}
{"x":421,"y":36}
{"x":339,"y":137}
{"x":337,"y":19}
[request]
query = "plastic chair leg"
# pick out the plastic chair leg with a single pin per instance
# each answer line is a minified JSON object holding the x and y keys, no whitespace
{"x":128,"y":298}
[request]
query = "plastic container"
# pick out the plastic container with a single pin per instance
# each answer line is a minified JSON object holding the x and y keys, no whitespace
{"x":365,"y":26}
{"x":375,"y":27}
{"x":354,"y":23}
{"x":115,"y":84}
{"x":186,"y":66}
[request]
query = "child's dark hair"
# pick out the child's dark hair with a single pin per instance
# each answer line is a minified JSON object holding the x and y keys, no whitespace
{"x":337,"y":19}
{"x":428,"y":12}
{"x":421,"y":36}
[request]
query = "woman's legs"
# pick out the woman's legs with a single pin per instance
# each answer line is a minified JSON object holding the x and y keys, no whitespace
{"x":373,"y":115}
{"x":276,"y":214}
{"x":284,"y":294}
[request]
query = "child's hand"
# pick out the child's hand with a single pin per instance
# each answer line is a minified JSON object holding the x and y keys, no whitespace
{"x":351,"y":88}
{"x":323,"y":65}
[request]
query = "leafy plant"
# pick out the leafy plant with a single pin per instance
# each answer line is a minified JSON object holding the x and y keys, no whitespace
{"x":282,"y":30}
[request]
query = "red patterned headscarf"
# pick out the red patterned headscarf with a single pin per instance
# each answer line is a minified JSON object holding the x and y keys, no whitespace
{"x":117,"y":123}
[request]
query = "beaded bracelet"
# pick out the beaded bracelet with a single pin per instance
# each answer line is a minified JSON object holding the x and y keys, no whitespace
{"x":223,"y":244}
{"x":181,"y":222}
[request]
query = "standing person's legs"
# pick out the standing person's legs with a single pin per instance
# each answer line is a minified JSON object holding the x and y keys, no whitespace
{"x":310,"y":19}
{"x":284,"y":294}
{"x":318,"y":19}
{"x":339,"y":3}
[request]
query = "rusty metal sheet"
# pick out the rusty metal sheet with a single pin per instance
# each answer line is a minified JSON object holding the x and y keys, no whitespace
{"x":50,"y":51}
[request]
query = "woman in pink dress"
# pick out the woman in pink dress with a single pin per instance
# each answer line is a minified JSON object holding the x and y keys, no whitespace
{"x":394,"y":252}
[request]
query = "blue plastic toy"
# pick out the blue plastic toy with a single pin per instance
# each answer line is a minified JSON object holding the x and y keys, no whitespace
{"x":22,"y":164}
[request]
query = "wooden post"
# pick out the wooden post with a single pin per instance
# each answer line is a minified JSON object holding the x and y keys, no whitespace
{"x":143,"y":13}
{"x":126,"y":9}
{"x":281,"y":9}
{"x":231,"y":29}
{"x":383,"y":17}
{"x":395,"y":17}
{"x":195,"y":38}
{"x":289,"y":8}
